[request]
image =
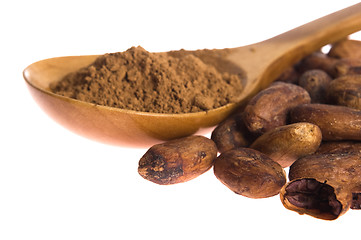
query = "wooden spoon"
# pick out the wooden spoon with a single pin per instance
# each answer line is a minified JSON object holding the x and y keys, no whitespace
{"x":262,"y":62}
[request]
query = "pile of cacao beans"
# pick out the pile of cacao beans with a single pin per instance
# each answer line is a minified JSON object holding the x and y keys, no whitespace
{"x":308,"y":120}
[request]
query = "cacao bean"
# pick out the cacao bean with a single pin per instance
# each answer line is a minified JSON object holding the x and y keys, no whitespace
{"x":315,"y":82}
{"x":232,"y":133}
{"x":269,"y":108}
{"x":178,"y":160}
{"x":335,"y":122}
{"x":285,"y":144}
{"x":345,"y":91}
{"x":249,"y":173}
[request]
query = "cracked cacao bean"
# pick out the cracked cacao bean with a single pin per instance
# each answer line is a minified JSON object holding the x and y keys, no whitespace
{"x":178,"y":160}
{"x":311,"y":197}
{"x":323,"y":185}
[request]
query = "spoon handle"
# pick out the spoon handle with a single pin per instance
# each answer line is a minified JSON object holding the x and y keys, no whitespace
{"x":310,"y":37}
{"x":266,"y":60}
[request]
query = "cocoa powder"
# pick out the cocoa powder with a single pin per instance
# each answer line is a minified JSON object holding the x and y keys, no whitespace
{"x":169,"y":82}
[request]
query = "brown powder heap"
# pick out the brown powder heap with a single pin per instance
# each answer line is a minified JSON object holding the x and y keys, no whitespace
{"x":151,"y":82}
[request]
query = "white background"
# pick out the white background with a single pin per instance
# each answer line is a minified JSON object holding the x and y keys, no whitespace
{"x":57,"y":185}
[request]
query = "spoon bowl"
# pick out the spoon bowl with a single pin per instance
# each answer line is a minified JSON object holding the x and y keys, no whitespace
{"x":107,"y":124}
{"x":262,"y":63}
